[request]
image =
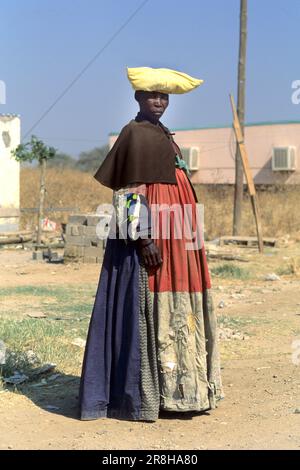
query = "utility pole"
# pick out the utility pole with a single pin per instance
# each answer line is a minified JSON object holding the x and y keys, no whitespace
{"x":239,"y":175}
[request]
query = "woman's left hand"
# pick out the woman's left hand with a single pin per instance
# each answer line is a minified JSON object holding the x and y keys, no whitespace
{"x":150,"y":253}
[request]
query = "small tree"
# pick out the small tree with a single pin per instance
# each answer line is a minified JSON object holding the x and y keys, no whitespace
{"x":36,"y":150}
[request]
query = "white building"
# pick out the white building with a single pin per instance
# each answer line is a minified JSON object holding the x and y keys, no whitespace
{"x":10,"y":132}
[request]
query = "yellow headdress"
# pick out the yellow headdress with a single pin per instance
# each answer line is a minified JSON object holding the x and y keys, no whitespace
{"x":161,"y":80}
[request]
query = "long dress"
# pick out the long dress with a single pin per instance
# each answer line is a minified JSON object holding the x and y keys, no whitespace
{"x":152,"y":337}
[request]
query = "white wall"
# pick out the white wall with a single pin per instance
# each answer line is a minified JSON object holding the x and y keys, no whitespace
{"x":10,"y":130}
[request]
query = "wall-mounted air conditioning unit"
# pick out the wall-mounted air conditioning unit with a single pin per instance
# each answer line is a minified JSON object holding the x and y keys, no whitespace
{"x":192,"y":157}
{"x":284,"y":158}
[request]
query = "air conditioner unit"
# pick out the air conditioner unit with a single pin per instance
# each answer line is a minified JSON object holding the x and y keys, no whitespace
{"x":192,"y":157}
{"x":284,"y":159}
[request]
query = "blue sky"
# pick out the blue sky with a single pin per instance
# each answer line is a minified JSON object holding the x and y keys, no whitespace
{"x":44,"y":44}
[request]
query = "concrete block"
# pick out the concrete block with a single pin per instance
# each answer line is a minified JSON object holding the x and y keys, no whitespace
{"x":92,"y":220}
{"x":93,"y":251}
{"x":91,"y":231}
{"x":77,"y":230}
{"x":75,"y":240}
{"x":74,"y":252}
{"x":82,"y":229}
{"x":87,"y":242}
{"x":74,"y":230}
{"x":69,"y":229}
{"x":37,"y":256}
{"x":69,"y":239}
{"x":78,"y":219}
{"x":91,"y":241}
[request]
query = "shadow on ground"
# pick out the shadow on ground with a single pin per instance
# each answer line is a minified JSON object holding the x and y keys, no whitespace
{"x":59,"y":397}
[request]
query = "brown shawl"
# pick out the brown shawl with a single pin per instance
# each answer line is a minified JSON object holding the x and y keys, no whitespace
{"x":143,"y":153}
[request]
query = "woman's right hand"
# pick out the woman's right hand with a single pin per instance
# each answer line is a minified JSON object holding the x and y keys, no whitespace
{"x":150,"y":253}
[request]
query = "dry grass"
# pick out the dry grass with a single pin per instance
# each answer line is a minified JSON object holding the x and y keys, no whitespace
{"x":72,"y":188}
{"x":278,"y":207}
{"x":65,"y":188}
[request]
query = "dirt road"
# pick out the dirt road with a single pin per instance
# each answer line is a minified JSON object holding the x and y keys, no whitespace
{"x":261,"y":372}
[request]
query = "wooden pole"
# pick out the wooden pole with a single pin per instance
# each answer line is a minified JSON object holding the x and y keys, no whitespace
{"x":41,"y":201}
{"x":239,"y":176}
{"x":245,"y":164}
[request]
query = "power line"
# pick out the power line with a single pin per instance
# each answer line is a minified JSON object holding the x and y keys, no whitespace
{"x":79,"y":75}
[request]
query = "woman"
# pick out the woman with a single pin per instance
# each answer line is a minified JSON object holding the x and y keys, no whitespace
{"x":152,"y":337}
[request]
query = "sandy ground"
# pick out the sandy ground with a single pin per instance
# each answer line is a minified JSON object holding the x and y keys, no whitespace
{"x":261,"y":380}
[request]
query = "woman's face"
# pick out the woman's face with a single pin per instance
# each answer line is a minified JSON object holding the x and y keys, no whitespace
{"x":152,"y":104}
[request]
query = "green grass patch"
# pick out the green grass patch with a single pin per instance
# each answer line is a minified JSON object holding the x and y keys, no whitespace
{"x":285,"y":270}
{"x":67,"y":309}
{"x":240,"y":322}
{"x":39,"y":291}
{"x":70,"y":309}
{"x":233,"y":322}
{"x":66,"y":292}
{"x":230,"y":271}
{"x":51,"y":341}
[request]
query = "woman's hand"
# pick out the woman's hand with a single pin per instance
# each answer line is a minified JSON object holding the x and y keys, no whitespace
{"x":149,"y":252}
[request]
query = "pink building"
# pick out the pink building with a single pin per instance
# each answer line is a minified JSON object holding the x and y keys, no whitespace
{"x":273,"y":150}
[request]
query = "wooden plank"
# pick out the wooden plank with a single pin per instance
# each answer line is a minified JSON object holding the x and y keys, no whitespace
{"x":245,"y":238}
{"x":226,"y":257}
{"x":246,"y":241}
{"x":256,"y":211}
{"x":241,"y":143}
{"x":17,"y":240}
{"x":248,"y":174}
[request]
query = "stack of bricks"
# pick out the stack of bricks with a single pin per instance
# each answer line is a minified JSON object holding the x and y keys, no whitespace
{"x":82,"y":243}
